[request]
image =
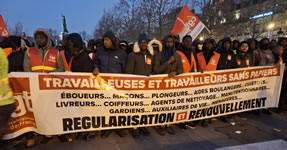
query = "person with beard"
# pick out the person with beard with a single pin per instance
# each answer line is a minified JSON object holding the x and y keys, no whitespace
{"x":227,"y":57}
{"x":14,"y":52}
{"x":140,"y":62}
{"x":42,"y":57}
{"x":264,"y":49}
{"x":167,"y":62}
{"x":80,"y":61}
{"x":243,"y":57}
{"x":188,"y":56}
{"x":110,"y":59}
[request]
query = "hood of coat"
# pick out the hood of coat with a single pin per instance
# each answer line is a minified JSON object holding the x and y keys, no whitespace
{"x":49,"y":43}
{"x":137,"y":48}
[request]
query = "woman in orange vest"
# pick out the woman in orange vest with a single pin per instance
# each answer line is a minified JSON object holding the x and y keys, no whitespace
{"x":208,"y":58}
{"x":188,"y":57}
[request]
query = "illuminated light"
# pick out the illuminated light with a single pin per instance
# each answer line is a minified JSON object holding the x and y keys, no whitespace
{"x":262,"y":15}
{"x":270,"y":26}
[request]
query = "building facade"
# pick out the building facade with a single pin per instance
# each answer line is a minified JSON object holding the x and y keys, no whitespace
{"x":243,"y":19}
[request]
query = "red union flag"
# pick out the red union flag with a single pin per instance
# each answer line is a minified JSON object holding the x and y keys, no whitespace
{"x":3,"y":28}
{"x":187,"y":24}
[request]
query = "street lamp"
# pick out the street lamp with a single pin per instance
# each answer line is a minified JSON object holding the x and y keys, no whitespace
{"x":201,"y":38}
{"x":271,"y":26}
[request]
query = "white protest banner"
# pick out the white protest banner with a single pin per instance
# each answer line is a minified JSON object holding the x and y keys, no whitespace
{"x":59,"y":103}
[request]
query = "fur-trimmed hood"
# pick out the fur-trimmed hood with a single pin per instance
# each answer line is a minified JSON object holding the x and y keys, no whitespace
{"x":137,"y":48}
{"x":156,"y":42}
{"x":149,"y":47}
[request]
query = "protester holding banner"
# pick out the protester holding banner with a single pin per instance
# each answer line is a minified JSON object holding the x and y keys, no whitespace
{"x":167,"y":62}
{"x":208,"y":58}
{"x":140,"y":62}
{"x":109,"y":59}
{"x":7,"y":103}
{"x":42,"y":57}
{"x":80,"y":61}
{"x":227,"y":57}
{"x":189,"y":64}
{"x":243,"y":57}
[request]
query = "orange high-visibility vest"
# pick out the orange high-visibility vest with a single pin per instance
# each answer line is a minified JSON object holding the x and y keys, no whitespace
{"x":50,"y":60}
{"x":212,"y":64}
{"x":185,"y":63}
{"x":68,"y":66}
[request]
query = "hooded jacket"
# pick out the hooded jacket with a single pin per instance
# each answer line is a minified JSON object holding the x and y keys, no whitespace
{"x":227,"y":57}
{"x":139,"y":63}
{"x":110,"y":60}
{"x":42,"y":51}
{"x":81,"y":62}
{"x":160,"y":61}
{"x":246,"y":60}
{"x":16,"y":55}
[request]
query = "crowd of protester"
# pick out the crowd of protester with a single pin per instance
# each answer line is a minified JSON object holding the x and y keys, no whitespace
{"x":145,"y":57}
